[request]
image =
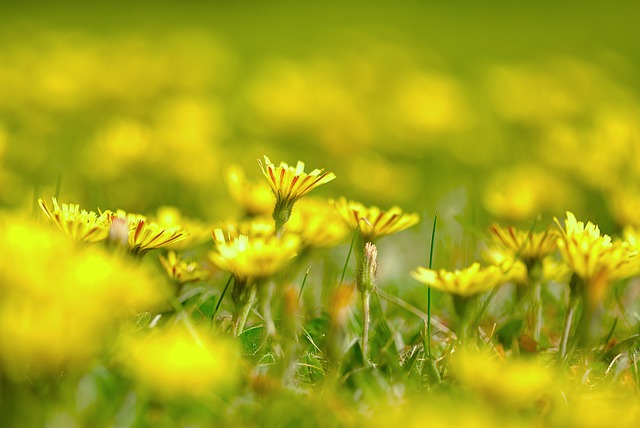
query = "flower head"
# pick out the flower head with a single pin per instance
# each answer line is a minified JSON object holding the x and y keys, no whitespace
{"x":176,"y":362}
{"x":594,"y":257}
{"x":145,"y":235}
{"x":289,"y":183}
{"x":466,"y":282}
{"x":253,"y":258}
{"x":80,"y":224}
{"x":527,"y":246}
{"x":255,"y":198}
{"x":372,"y":222}
{"x":317,"y":224}
{"x":182,"y":271}
{"x":55,"y":295}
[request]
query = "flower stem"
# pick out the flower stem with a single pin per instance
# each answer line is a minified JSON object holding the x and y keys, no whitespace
{"x":244,"y":300}
{"x":366,"y":321}
{"x":567,"y":328}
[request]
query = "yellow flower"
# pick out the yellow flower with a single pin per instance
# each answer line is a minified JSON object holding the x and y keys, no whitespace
{"x":179,"y":362}
{"x":372,"y":222}
{"x":255,"y":198}
{"x":55,"y":296}
{"x":256,"y":227}
{"x":145,"y":235}
{"x":80,"y":224}
{"x":182,"y":271}
{"x":466,"y":282}
{"x":515,"y":270}
{"x":594,"y":257}
{"x":289,"y":183}
{"x":253,"y":258}
{"x":317,"y":224}
{"x":527,"y":246}
{"x":514,"y":383}
{"x":171,"y":217}
{"x":632,"y":236}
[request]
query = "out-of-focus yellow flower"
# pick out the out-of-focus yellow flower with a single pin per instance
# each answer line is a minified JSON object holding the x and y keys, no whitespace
{"x":515,"y":270}
{"x":178,"y":362}
{"x":522,"y":193}
{"x":145,"y":235}
{"x":256,"y":227}
{"x":594,"y":257}
{"x":182,"y":271}
{"x":632,"y":236}
{"x":372,"y":222}
{"x":465,"y":282}
{"x":527,"y":246}
{"x":625,"y":206}
{"x":170,"y":217}
{"x":514,"y":383}
{"x":55,"y":296}
{"x":253,"y":258}
{"x":80,"y":224}
{"x":289,"y":183}
{"x":317,"y":224}
{"x":256,"y":199}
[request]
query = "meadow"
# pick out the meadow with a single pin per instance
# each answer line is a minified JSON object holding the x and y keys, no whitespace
{"x":288,"y":216}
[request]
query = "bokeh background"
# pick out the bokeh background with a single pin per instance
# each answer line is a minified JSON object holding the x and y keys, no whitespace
{"x":495,"y":110}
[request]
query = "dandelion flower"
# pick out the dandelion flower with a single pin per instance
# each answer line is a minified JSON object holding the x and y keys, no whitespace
{"x":594,"y":257}
{"x":466,"y":282}
{"x":290,"y":184}
{"x":255,"y":199}
{"x":372,"y":222}
{"x":145,"y":235}
{"x":529,"y":247}
{"x":80,"y":224}
{"x":182,"y":271}
{"x":178,"y":362}
{"x":253,"y":258}
{"x":55,"y":295}
{"x":317,"y":224}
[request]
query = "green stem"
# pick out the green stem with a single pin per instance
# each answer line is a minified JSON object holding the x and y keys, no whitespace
{"x":567,"y":329}
{"x":537,"y":319}
{"x":366,"y":321}
{"x":224,"y":292}
{"x":244,"y":300}
{"x":266,"y":294}
{"x":433,"y":234}
{"x":281,"y":214}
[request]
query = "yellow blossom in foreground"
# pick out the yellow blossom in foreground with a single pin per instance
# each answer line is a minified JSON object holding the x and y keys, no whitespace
{"x":527,"y":246}
{"x":592,"y":256}
{"x":254,"y":198}
{"x":372,"y":222}
{"x":253,"y":258}
{"x":465,"y":282}
{"x":290,"y":184}
{"x":182,"y":271}
{"x":515,"y":383}
{"x":55,"y":296}
{"x":177,"y":362}
{"x":145,"y":235}
{"x":79,"y":224}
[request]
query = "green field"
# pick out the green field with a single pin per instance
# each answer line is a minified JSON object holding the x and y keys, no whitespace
{"x":161,"y":267}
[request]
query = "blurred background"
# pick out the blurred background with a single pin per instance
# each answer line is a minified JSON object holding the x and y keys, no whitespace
{"x":497,"y":110}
